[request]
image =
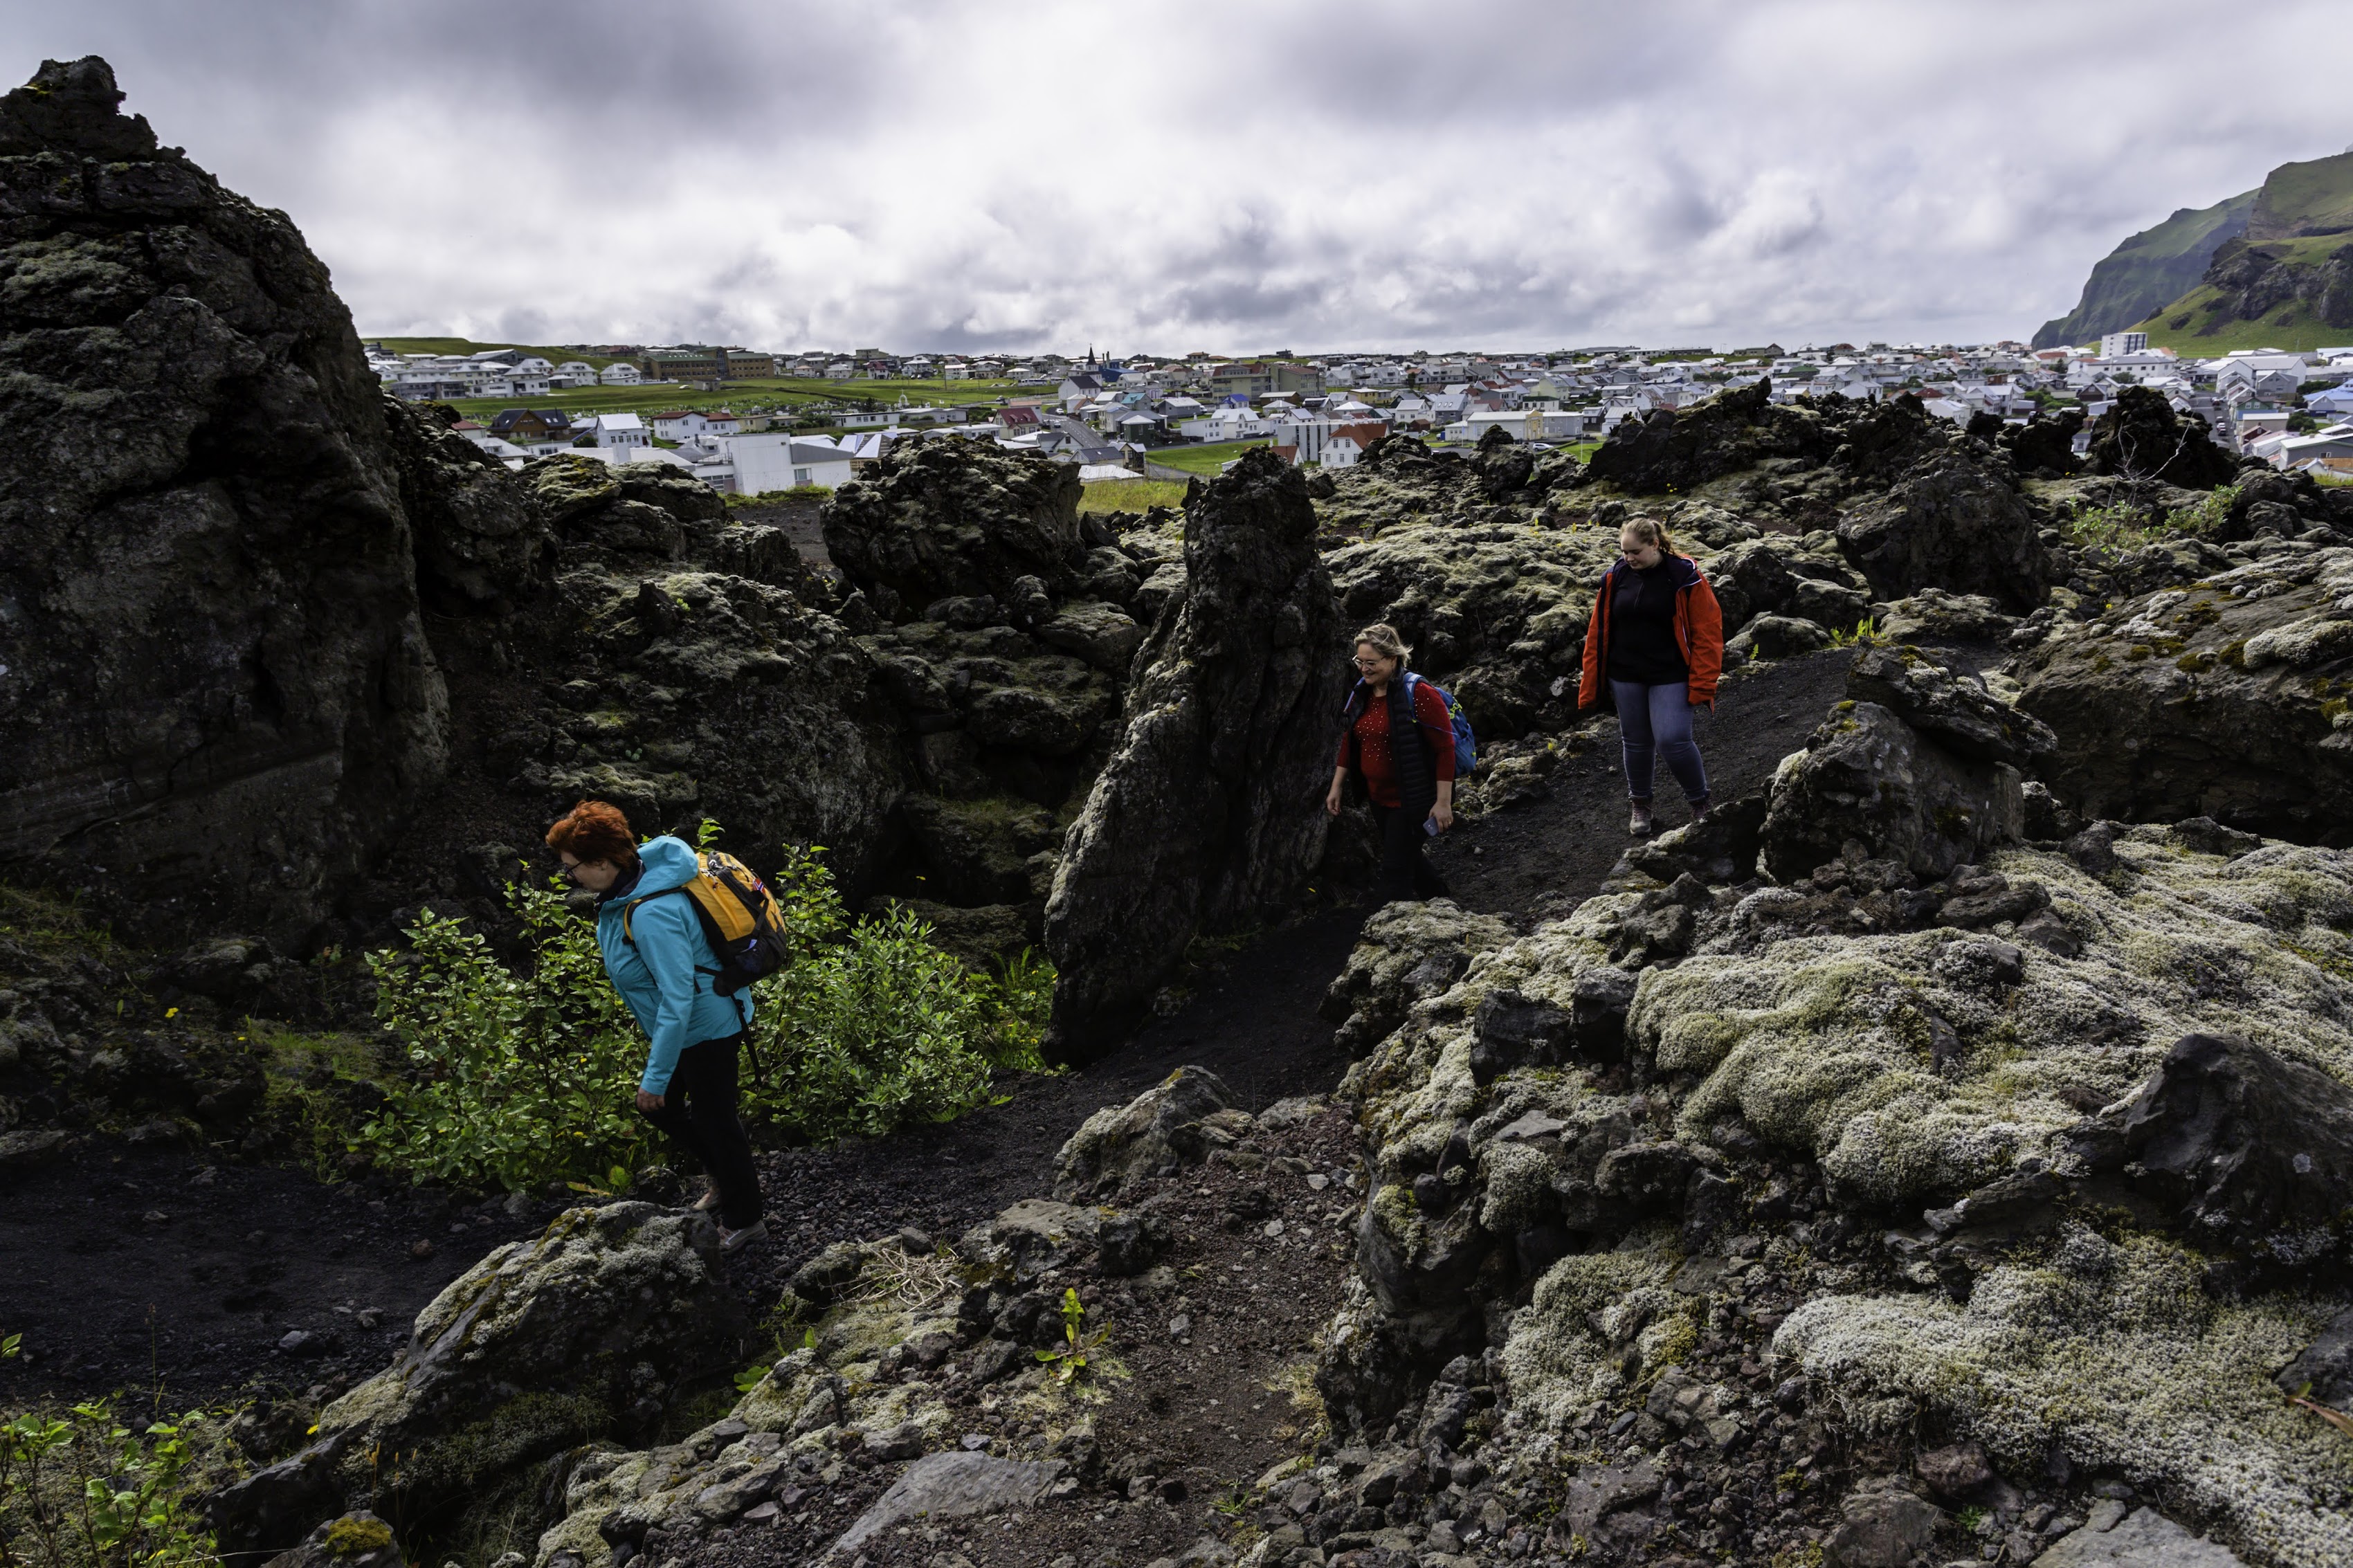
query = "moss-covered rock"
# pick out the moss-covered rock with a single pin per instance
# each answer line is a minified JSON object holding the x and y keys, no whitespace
{"x":2227,"y":697}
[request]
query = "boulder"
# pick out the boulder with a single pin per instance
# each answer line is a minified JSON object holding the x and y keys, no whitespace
{"x":938,"y":519}
{"x":2242,"y":1147}
{"x":1719,"y":848}
{"x":949,"y":1486}
{"x":482,"y":542}
{"x":1681,"y":449}
{"x":1778,"y":637}
{"x":216,"y":674}
{"x":541,"y":1344}
{"x":1958,"y":713}
{"x":1869,"y":780}
{"x":1882,"y":1529}
{"x":357,"y":1540}
{"x":2142,"y":1538}
{"x":2323,"y":1370}
{"x":1934,"y":616}
{"x":1209,"y":817}
{"x":1955,"y":524}
{"x":2224,"y":699}
{"x":1172,"y":1124}
{"x":2141,"y":438}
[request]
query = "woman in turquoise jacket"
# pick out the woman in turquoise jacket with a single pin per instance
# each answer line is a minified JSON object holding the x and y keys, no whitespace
{"x":662,"y":966}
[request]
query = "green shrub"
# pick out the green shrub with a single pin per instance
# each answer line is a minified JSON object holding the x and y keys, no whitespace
{"x":518,"y":1076}
{"x":530,"y":1075}
{"x":2128,"y":525}
{"x":79,"y":1490}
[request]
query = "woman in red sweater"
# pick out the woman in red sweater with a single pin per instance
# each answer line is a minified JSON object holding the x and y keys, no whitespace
{"x":1401,"y":739}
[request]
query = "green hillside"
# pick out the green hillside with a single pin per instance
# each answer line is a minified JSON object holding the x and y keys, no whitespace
{"x":2277,"y":285}
{"x":2313,"y":198}
{"x":2153,"y":267}
{"x":2205,"y":322}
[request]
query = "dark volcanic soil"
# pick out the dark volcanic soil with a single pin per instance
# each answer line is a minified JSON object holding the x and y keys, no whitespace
{"x":199,"y":1298}
{"x":1548,"y":855}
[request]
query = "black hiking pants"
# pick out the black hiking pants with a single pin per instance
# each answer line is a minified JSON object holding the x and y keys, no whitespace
{"x":698,"y":1111}
{"x":1404,"y":874}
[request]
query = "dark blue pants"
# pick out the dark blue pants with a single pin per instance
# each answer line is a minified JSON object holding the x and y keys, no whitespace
{"x":1656,"y":721}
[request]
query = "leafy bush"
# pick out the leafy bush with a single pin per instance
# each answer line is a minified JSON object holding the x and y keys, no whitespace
{"x":518,"y":1076}
{"x":2128,"y":525}
{"x":78,"y":1490}
{"x":530,"y":1075}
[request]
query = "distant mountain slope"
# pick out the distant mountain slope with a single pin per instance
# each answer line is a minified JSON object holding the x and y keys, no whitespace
{"x":2299,"y":199}
{"x":2154,"y":267}
{"x":2286,"y":282}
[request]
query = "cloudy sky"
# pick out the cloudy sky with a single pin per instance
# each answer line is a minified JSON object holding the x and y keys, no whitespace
{"x":1234,"y":177}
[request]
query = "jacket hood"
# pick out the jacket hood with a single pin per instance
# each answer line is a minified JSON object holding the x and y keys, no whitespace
{"x":669,"y":863}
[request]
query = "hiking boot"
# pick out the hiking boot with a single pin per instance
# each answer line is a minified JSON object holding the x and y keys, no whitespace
{"x":1638,"y":825}
{"x":709,"y":1200}
{"x":1699,"y":809}
{"x":737,"y":1241}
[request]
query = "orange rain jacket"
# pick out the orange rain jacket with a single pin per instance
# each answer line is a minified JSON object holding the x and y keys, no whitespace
{"x":1699,"y":632}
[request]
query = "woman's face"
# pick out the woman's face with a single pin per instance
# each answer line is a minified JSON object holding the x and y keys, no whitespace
{"x":1373,"y":663}
{"x":1640,"y":552}
{"x":596,"y":875}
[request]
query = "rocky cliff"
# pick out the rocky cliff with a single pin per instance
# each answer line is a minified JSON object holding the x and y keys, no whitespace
{"x":213,"y":668}
{"x":1207,"y":818}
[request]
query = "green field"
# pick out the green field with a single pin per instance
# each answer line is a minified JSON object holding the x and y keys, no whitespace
{"x":1133,"y":495}
{"x":753,"y":396}
{"x":1205,"y":459}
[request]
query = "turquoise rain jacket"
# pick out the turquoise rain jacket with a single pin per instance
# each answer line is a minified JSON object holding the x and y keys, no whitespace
{"x":666,"y":977}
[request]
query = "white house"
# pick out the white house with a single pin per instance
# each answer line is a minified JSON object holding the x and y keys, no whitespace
{"x":623,"y":430}
{"x":621,"y":373}
{"x":1342,"y":452}
{"x":2114,"y":344}
{"x":573,"y":373}
{"x":693,"y":424}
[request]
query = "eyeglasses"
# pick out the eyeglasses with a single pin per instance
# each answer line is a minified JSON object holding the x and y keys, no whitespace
{"x":1369,"y":663}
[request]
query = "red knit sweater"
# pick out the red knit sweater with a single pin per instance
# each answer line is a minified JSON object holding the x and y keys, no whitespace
{"x":1365,"y":748}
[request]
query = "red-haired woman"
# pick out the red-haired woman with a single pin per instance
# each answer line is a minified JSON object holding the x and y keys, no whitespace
{"x":662,"y":966}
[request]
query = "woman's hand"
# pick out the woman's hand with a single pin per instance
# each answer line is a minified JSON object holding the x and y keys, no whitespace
{"x":1332,"y":798}
{"x":648,"y":1101}
{"x":1443,"y":814}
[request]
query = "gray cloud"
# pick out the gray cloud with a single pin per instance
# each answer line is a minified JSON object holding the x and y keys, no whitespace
{"x":1229,"y":176}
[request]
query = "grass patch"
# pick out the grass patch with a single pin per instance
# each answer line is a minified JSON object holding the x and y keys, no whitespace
{"x":1207,"y":460}
{"x":1132,"y":495}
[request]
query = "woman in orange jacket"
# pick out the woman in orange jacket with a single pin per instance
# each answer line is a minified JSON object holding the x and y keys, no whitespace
{"x":1652,"y":651}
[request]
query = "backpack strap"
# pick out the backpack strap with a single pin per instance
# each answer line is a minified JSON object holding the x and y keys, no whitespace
{"x":629,"y":909}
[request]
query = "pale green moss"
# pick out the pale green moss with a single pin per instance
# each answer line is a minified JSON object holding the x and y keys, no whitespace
{"x":2110,"y":1352}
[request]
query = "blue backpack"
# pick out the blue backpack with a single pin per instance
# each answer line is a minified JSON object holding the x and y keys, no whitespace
{"x":1466,"y":745}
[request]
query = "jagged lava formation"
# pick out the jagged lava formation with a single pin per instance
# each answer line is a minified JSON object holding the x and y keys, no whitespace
{"x":1943,"y":1151}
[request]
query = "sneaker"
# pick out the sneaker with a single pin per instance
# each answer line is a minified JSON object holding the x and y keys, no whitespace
{"x":1638,"y":825}
{"x":709,"y":1200}
{"x":737,"y":1241}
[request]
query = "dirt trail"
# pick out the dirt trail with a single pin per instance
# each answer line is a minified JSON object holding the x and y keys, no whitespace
{"x":200,"y":1298}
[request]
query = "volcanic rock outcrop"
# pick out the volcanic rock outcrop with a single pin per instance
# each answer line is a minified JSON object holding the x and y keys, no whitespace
{"x":2224,"y":698}
{"x":212,"y":665}
{"x":579,"y":1333}
{"x":1206,"y":818}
